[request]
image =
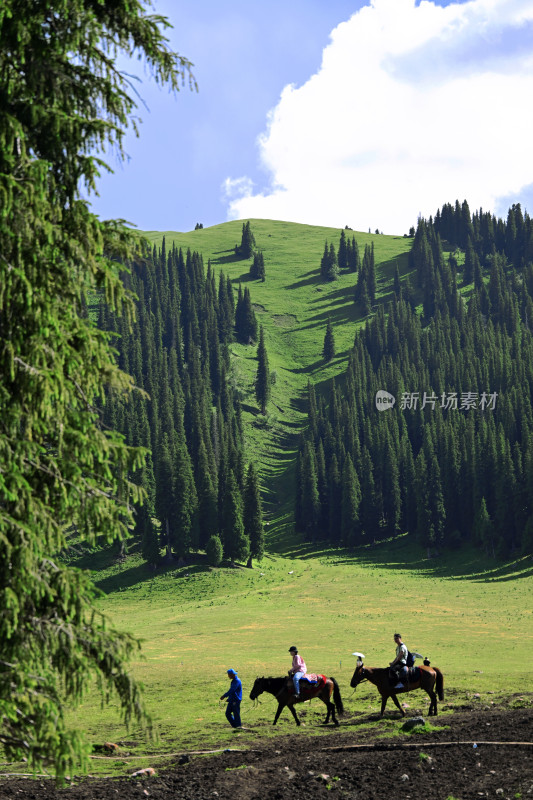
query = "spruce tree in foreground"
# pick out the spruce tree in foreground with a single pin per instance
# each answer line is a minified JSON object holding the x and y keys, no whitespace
{"x":60,"y":466}
{"x":262,"y":378}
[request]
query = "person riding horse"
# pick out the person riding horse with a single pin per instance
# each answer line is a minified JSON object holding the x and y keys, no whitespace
{"x":398,"y":667}
{"x":297,"y":670}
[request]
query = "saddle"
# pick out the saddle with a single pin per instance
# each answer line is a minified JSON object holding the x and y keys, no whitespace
{"x":406,"y":675}
{"x":308,"y":683}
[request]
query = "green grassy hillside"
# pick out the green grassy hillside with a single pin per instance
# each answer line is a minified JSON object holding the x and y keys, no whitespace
{"x":293,"y":305}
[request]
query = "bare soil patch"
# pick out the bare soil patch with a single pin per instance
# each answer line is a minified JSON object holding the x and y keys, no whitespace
{"x":284,"y":320}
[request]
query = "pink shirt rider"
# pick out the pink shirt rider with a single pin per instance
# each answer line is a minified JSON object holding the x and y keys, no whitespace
{"x":298,"y":664}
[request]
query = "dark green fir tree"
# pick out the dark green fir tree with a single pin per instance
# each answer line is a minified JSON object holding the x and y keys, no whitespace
{"x":235,"y":542}
{"x":246,"y":247}
{"x":253,"y":516}
{"x":262,"y":378}
{"x":328,"y":351}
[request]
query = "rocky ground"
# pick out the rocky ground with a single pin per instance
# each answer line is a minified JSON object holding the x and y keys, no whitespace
{"x":431,"y":765}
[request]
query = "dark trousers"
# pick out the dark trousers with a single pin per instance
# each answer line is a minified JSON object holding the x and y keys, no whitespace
{"x":399,"y":673}
{"x":233,"y":713}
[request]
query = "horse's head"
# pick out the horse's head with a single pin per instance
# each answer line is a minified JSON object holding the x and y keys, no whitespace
{"x":359,"y":675}
{"x":258,"y":688}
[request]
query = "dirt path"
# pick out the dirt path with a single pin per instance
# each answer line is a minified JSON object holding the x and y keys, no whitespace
{"x":339,"y":763}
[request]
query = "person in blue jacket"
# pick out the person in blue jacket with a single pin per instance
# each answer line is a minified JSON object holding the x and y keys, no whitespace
{"x":234,"y":697}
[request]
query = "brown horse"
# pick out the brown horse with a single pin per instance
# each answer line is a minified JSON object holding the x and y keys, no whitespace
{"x":282,"y":691}
{"x":431,"y":678}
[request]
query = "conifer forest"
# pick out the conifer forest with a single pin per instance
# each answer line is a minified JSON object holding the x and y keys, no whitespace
{"x":456,"y":464}
{"x":453,"y":463}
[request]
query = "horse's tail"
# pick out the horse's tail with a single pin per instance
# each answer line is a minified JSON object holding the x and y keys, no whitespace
{"x":337,"y":697}
{"x":440,"y":683}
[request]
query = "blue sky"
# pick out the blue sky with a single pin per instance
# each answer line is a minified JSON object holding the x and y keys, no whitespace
{"x":359,"y":113}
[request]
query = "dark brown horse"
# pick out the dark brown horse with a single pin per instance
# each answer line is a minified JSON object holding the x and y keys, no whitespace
{"x":281,"y":688}
{"x":431,"y":678}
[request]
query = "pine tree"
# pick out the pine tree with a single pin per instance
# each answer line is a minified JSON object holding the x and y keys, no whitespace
{"x":164,"y":498}
{"x":246,"y":247}
{"x":207,"y":499}
{"x":332,"y":271}
{"x":342,"y":252}
{"x":245,"y":319}
{"x":253,"y":516}
{"x":324,"y":262}
{"x":262,"y":378}
{"x":59,"y":464}
{"x":391,"y":491}
{"x":257,"y":269}
{"x":150,"y":538}
{"x":214,"y":551}
{"x":328,"y":351}
{"x":354,"y":259}
{"x":350,"y":502}
{"x":310,"y":496}
{"x":335,"y":500}
{"x":235,"y":542}
{"x":483,"y":529}
{"x":144,"y":527}
{"x":397,"y":283}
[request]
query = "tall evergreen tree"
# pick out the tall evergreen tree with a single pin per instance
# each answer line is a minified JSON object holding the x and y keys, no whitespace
{"x":262,"y":378}
{"x":328,"y":351}
{"x":253,"y":516}
{"x":310,"y":497}
{"x":236,"y":543}
{"x":257,"y":270}
{"x":164,"y":498}
{"x":63,"y":102}
{"x":342,"y":252}
{"x":332,"y":271}
{"x":350,"y":502}
{"x":246,"y":247}
{"x":245,"y":319}
{"x":353,"y":257}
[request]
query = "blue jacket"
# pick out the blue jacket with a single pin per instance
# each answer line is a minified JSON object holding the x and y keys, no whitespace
{"x":234,"y":692}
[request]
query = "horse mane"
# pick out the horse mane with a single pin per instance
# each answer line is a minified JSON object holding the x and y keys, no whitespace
{"x":276,"y":682}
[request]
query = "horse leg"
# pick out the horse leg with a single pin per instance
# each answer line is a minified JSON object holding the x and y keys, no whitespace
{"x":402,"y":712}
{"x":328,"y":707}
{"x":294,"y":714}
{"x":433,"y":704}
{"x":384,"y":698}
{"x":281,"y":706}
{"x":330,"y":710}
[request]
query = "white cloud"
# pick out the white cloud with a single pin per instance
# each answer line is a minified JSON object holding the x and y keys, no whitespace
{"x":237,"y":188}
{"x":413,"y":106}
